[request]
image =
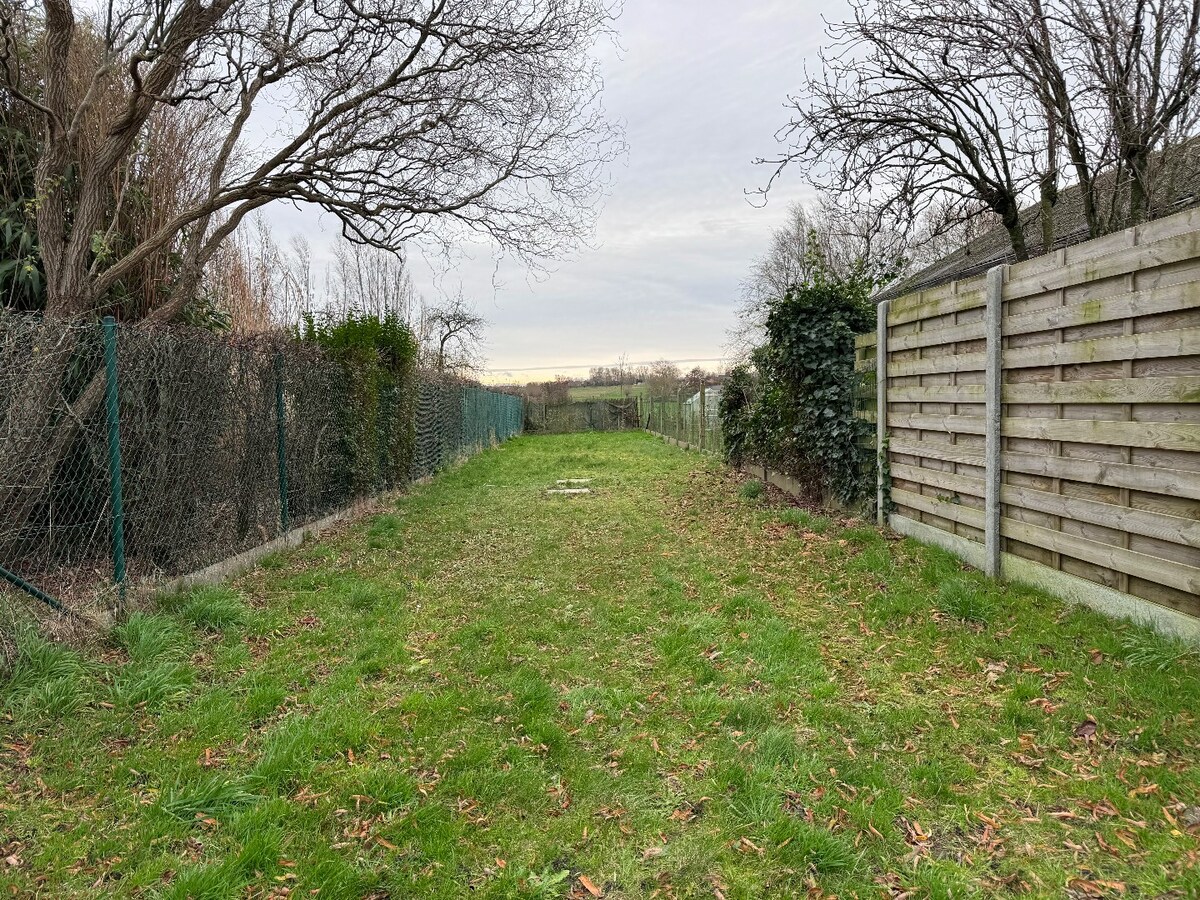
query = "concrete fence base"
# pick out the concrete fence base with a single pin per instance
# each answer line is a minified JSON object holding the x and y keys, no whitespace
{"x":1066,"y":587}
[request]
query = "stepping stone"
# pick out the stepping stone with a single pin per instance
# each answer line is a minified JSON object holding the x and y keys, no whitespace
{"x":568,"y":490}
{"x":574,"y":481}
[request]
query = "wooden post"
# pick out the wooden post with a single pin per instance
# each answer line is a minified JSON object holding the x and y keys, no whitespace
{"x":881,"y":361}
{"x":993,"y":375}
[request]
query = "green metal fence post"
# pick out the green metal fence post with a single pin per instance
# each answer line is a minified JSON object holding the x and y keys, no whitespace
{"x":112,"y":414}
{"x":281,"y":445}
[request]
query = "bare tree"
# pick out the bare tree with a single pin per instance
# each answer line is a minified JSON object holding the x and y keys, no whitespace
{"x":1121,"y":76}
{"x":397,"y":116}
{"x":838,"y":239}
{"x":904,"y":116}
{"x":663,"y":379}
{"x":992,"y":104}
{"x":453,"y":335}
{"x":401,"y":118}
{"x":364,"y":279}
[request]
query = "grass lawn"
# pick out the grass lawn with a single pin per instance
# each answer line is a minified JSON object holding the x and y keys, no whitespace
{"x":607,"y":393}
{"x":671,"y":687}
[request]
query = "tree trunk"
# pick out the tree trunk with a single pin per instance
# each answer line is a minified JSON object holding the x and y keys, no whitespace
{"x":1011,"y":218}
{"x":1047,"y":199}
{"x":1139,"y":194}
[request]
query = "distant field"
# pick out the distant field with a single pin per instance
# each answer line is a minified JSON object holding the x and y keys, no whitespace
{"x":607,"y":393}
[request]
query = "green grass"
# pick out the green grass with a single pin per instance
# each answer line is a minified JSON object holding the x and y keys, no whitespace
{"x":658,"y":686}
{"x":607,"y":392}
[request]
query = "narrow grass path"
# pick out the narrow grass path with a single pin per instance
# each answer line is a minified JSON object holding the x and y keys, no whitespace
{"x":665,"y":688}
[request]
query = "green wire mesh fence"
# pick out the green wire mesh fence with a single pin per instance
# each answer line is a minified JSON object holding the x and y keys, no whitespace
{"x":582,"y":415}
{"x":210,"y":445}
{"x":691,"y":418}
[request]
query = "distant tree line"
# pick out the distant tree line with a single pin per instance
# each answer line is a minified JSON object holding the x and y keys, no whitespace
{"x":659,"y":379}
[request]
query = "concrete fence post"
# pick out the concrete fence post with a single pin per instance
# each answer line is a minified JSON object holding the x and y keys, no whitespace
{"x":881,"y":361}
{"x":993,"y":376}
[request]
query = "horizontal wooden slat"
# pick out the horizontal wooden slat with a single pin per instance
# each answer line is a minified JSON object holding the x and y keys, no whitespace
{"x":938,"y":393}
{"x":952,"y":362}
{"x":931,"y":422}
{"x":972,"y":331}
{"x":1157,"y":435}
{"x":1106,"y":309}
{"x":913,"y":307}
{"x":1140,"y":565}
{"x":866,"y":340}
{"x":955,"y":512}
{"x":936,"y":450}
{"x":1184,"y":389}
{"x":936,"y":478}
{"x":1176,"y":529}
{"x":1120,"y":262}
{"x":1169,"y":482}
{"x":1156,"y":344}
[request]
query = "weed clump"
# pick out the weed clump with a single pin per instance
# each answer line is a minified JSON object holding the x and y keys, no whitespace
{"x":752,"y":490}
{"x":965,"y":601}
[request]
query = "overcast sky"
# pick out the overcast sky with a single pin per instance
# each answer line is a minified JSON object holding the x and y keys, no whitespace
{"x":700,"y":87}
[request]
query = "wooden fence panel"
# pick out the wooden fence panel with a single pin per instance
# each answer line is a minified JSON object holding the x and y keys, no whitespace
{"x":1099,"y":451}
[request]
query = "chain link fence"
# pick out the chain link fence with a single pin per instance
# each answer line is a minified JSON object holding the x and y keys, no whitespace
{"x":202,"y":446}
{"x":582,"y":415}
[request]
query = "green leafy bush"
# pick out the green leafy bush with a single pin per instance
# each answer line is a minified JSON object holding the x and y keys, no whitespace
{"x":734,"y":409}
{"x":798,"y":415}
{"x":377,"y":356}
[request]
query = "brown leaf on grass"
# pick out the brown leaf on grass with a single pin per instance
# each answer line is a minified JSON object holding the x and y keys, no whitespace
{"x":688,"y":811}
{"x":745,"y":845}
{"x":652,"y":853}
{"x":993,"y":670}
{"x":914,"y":835}
{"x":1143,"y":790}
{"x":386,"y":844}
{"x":590,"y":887}
{"x":1086,"y":729}
{"x":1100,"y":810}
{"x":1084,"y":887}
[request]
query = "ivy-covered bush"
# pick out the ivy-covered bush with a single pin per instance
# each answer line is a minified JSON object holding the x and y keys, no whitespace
{"x":735,"y":410}
{"x":798,"y":415}
{"x":377,"y":356}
